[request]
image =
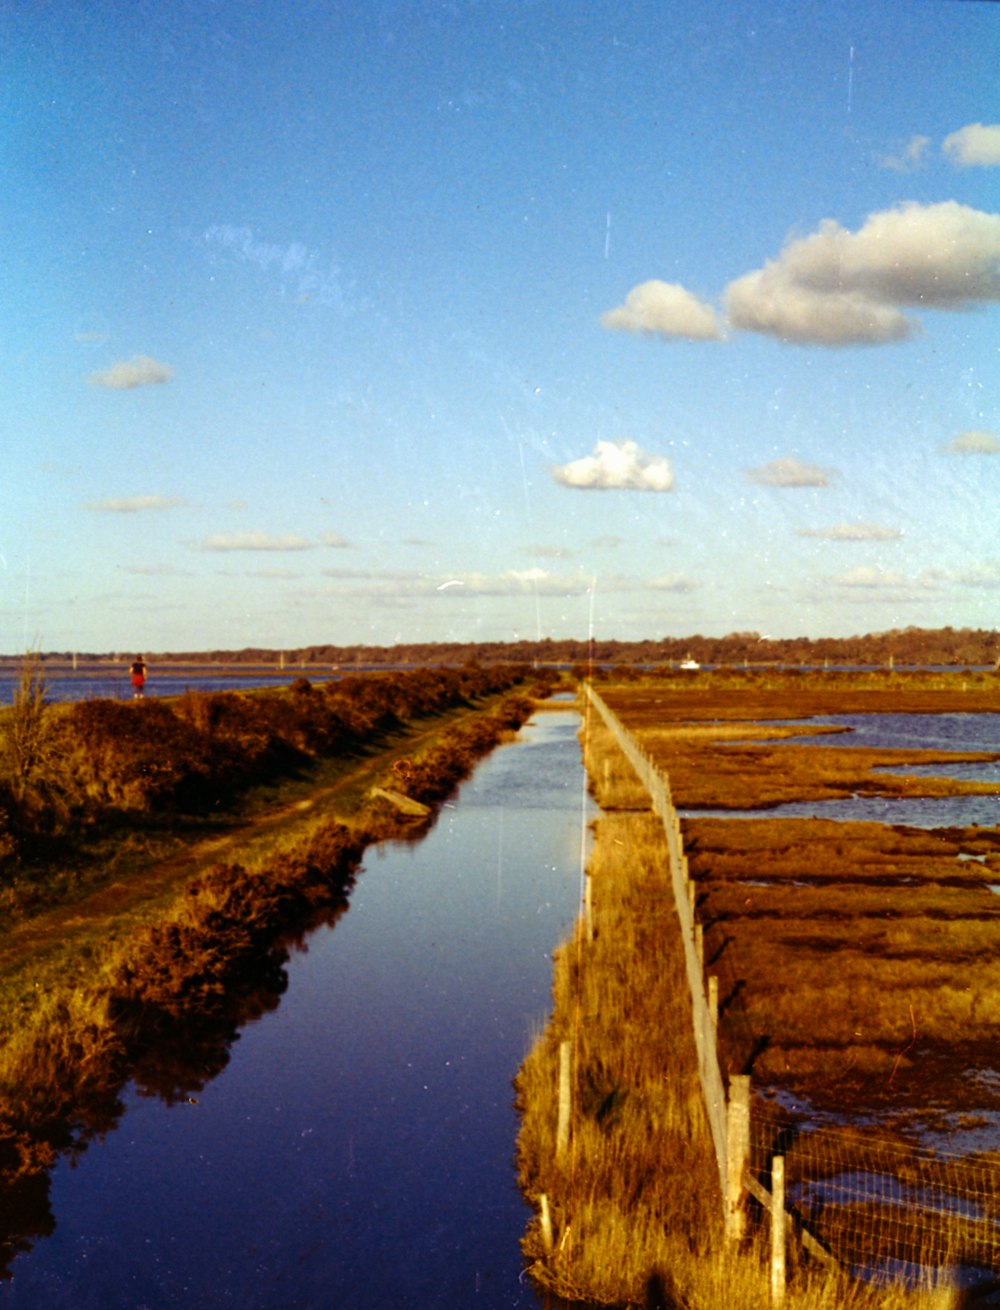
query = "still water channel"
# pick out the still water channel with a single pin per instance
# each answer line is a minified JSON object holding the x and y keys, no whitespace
{"x":357,"y":1149}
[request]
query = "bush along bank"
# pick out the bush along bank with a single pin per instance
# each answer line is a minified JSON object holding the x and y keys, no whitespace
{"x":66,"y":769}
{"x":181,"y":983}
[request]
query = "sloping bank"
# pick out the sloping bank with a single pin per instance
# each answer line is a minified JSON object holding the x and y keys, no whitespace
{"x":62,"y":1066}
{"x":619,"y":1166}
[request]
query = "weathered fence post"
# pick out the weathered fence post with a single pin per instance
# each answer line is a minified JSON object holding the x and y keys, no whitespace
{"x":737,"y":1153}
{"x":562,"y":1127}
{"x":546,"y":1219}
{"x":778,"y":1230}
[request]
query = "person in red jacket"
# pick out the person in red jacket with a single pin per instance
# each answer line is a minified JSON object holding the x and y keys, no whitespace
{"x":138,"y":672}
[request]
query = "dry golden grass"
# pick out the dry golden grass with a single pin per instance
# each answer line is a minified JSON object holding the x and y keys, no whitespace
{"x":795,"y":912}
{"x":635,"y":1204}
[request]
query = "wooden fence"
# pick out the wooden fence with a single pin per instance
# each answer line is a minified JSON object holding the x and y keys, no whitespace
{"x":728,"y":1118}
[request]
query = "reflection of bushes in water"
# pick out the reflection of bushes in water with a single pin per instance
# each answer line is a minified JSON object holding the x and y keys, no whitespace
{"x":173,"y":1059}
{"x":173,"y":1001}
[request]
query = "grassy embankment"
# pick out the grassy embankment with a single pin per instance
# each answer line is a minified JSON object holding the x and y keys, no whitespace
{"x":636,"y":1204}
{"x":95,"y":984}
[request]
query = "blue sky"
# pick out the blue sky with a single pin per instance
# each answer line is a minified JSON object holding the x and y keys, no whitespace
{"x":414,"y":321}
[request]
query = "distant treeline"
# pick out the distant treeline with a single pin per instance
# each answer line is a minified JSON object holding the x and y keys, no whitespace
{"x":922,"y":646}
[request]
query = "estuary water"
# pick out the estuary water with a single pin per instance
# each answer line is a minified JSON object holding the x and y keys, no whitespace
{"x":357,"y":1147}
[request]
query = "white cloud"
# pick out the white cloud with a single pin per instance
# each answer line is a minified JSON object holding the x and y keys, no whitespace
{"x":868,"y":578}
{"x":335,"y":540}
{"x":854,"y":532}
{"x":911,"y":157}
{"x":139,"y":371}
{"x":974,"y":442}
{"x":675,"y":582}
{"x":549,"y":552}
{"x":838,"y":288}
{"x":133,"y":504}
{"x":224,"y":541}
{"x":616,"y":466}
{"x":790,"y":473}
{"x":666,"y":309}
{"x":976,"y":144}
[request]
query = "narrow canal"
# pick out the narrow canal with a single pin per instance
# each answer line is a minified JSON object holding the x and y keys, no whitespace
{"x":358,"y":1147}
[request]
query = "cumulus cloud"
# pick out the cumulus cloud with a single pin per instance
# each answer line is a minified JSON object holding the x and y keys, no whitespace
{"x":911,"y":157}
{"x":616,"y":466}
{"x":854,"y":532}
{"x":840,"y":288}
{"x":133,"y":504}
{"x":790,"y":473}
{"x":976,"y":144}
{"x":666,"y":309}
{"x":974,"y":442}
{"x":224,"y":541}
{"x":139,"y":371}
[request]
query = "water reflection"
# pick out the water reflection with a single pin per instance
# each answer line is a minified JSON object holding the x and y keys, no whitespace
{"x":344,"y":1134}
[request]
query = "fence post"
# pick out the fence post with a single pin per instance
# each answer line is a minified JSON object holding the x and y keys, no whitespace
{"x":778,"y":1230}
{"x":562,"y":1128}
{"x":546,"y":1220}
{"x":737,"y":1152}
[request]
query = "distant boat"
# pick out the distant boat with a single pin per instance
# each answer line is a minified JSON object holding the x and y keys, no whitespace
{"x":689,"y":663}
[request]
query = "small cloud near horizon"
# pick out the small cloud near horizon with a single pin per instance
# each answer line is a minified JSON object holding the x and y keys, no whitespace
{"x":854,"y":532}
{"x":867,"y":577}
{"x":790,"y":473}
{"x":974,"y":442}
{"x":975,"y":146}
{"x":675,"y":582}
{"x":133,"y":504}
{"x":616,"y":466}
{"x":335,"y":541}
{"x":665,"y":309}
{"x":225,"y":541}
{"x":549,"y":552}
{"x":139,"y":371}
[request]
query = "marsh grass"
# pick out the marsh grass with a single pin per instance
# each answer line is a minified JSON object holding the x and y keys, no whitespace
{"x":636,"y":1203}
{"x":795,"y":912}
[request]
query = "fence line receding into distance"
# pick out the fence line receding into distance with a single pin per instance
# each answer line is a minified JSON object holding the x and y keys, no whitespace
{"x":883,"y":1208}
